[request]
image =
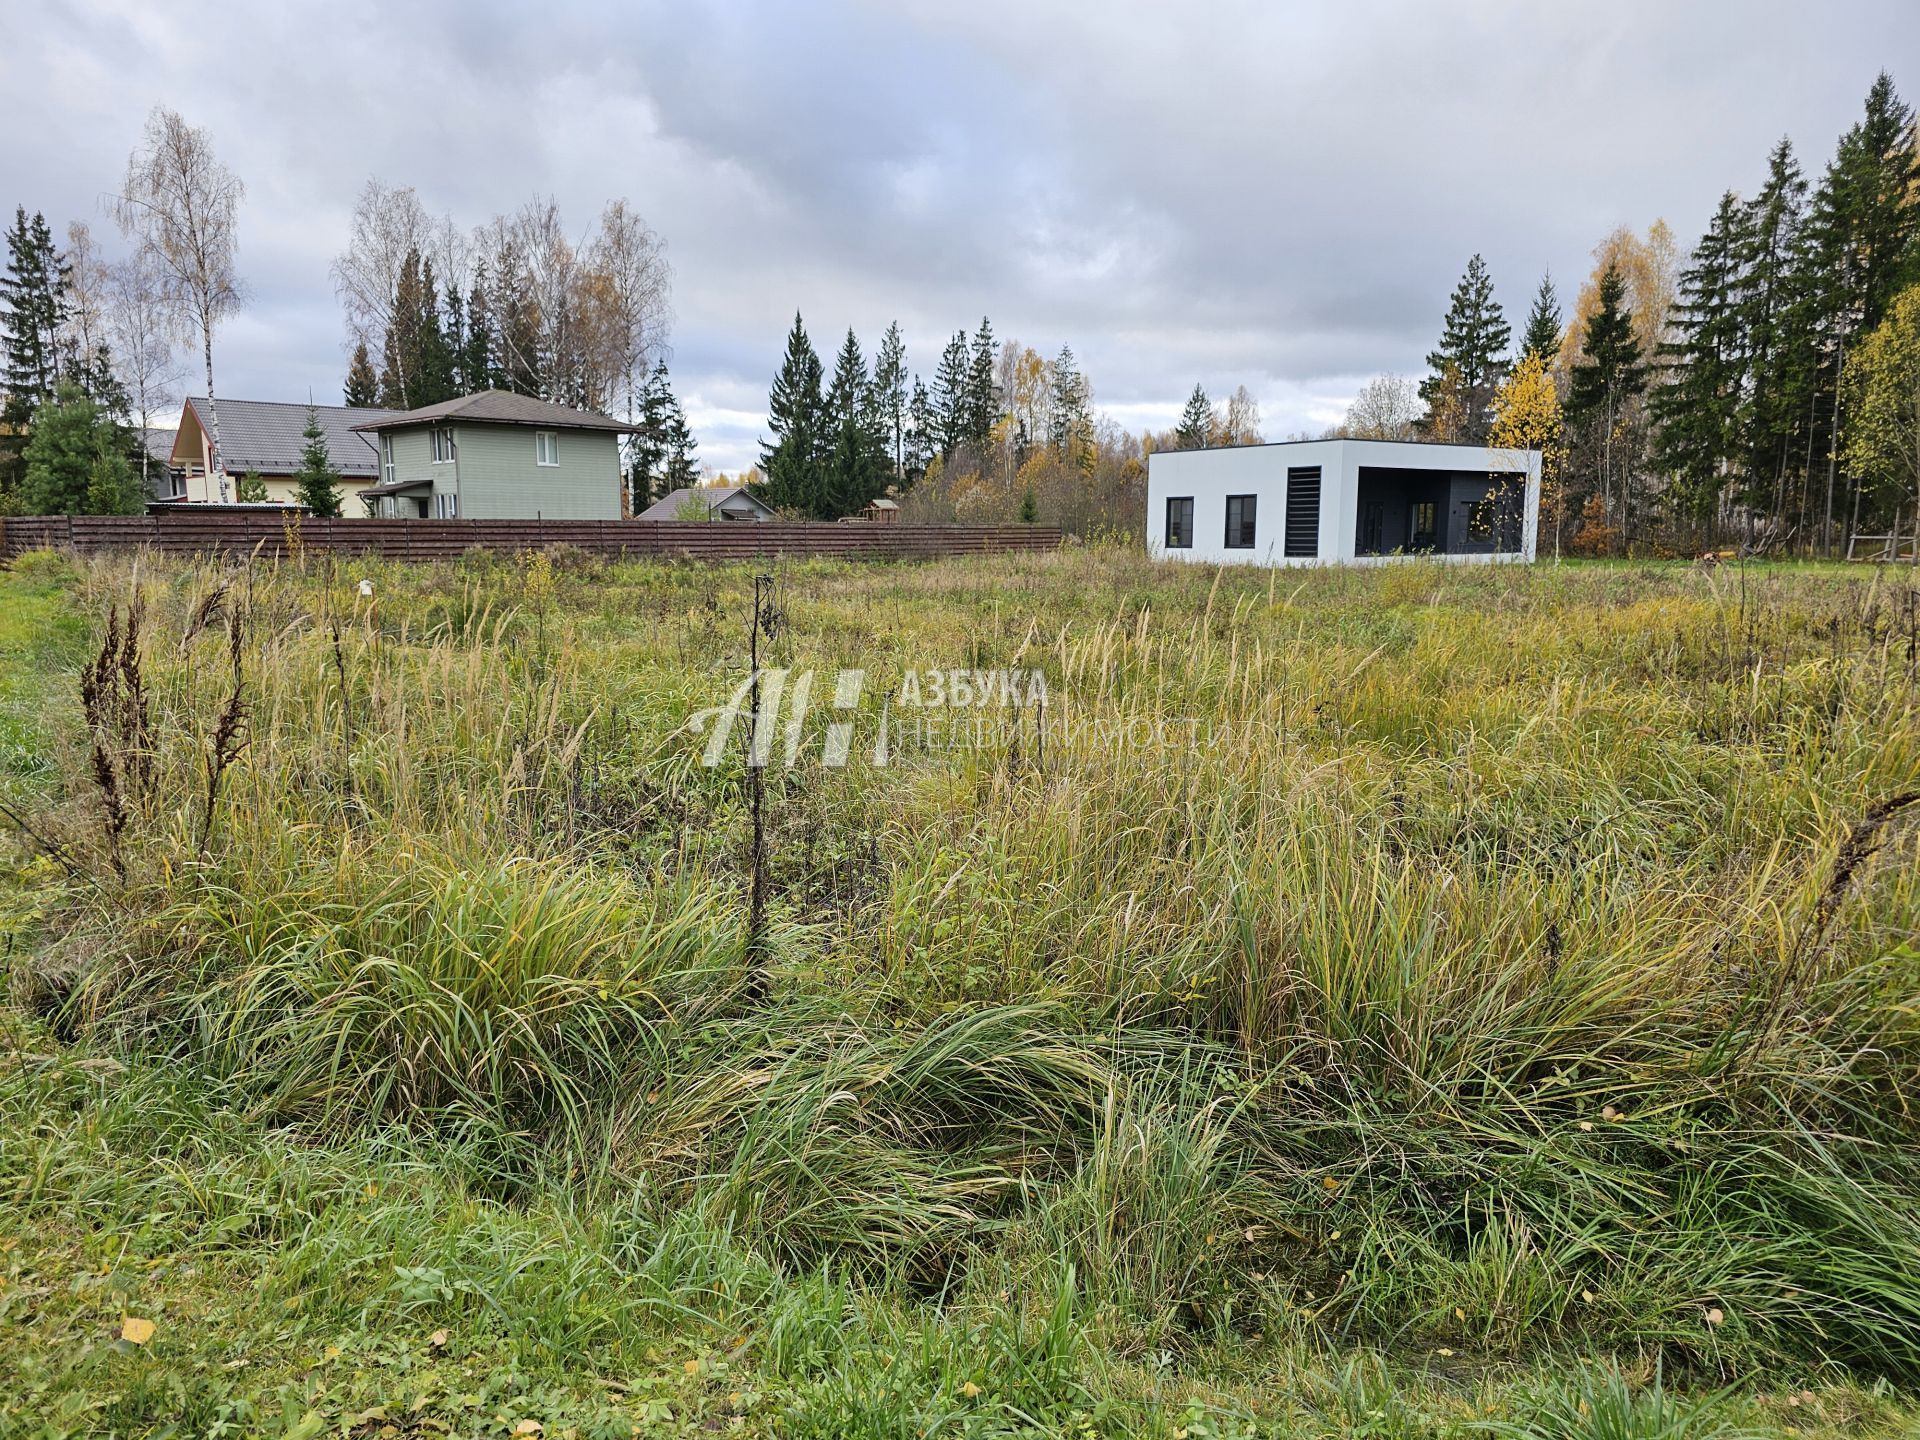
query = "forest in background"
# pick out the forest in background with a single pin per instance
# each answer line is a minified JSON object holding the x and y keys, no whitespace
{"x":1761,"y":389}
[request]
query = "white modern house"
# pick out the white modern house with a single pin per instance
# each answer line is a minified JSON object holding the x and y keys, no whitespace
{"x":1318,"y":502}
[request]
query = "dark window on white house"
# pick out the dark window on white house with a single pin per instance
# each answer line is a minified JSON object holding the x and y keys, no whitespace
{"x":1180,"y":523}
{"x":1241,"y":526}
{"x":1423,"y":525}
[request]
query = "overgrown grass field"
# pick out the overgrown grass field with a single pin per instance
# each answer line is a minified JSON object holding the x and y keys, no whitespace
{"x":1415,"y":1001}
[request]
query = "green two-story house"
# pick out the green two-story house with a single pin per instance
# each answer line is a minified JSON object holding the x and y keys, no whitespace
{"x":496,"y":456}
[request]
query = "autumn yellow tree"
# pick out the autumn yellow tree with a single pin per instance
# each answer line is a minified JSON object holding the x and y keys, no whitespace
{"x":1526,"y":416}
{"x":1882,"y":399}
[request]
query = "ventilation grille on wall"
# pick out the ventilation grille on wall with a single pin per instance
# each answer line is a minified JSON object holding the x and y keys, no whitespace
{"x":1303,"y":512}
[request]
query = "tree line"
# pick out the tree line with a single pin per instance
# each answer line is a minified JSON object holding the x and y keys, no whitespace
{"x":1000,"y":432}
{"x":1751,"y":389}
{"x":516,"y":304}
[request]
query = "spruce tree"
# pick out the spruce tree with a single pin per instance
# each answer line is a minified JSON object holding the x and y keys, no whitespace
{"x":477,"y":370}
{"x":362,"y":389}
{"x":316,"y":482}
{"x":33,"y":294}
{"x":453,"y":328}
{"x":1195,"y":429}
{"x":1542,"y":335}
{"x":1609,"y":373}
{"x":400,"y":371}
{"x":922,"y":433}
{"x":983,"y":399}
{"x":796,"y":419}
{"x":1069,"y":411}
{"x":1858,"y":247}
{"x":949,"y":397}
{"x":76,"y":458}
{"x":856,"y":465}
{"x":647,"y":446}
{"x":1699,"y":405}
{"x":1777,"y":405}
{"x":890,"y":396}
{"x":682,"y":465}
{"x":436,"y":380}
{"x":1474,"y":344}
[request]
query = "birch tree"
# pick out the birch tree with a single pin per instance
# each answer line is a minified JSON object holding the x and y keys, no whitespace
{"x":389,"y":224}
{"x":141,"y":334}
{"x":630,"y":263}
{"x":181,"y":205}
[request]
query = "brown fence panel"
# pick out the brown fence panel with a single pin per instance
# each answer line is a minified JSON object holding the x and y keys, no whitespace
{"x":185,"y":532}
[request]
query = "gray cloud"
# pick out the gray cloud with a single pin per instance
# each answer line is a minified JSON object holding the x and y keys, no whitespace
{"x":1280,"y":196}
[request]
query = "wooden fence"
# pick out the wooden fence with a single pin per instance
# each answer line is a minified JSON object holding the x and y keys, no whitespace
{"x":225,"y":532}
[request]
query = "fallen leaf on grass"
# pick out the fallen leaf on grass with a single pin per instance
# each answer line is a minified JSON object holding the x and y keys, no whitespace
{"x":134,"y":1330}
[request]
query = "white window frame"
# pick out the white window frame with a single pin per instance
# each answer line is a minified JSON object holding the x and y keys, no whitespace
{"x":446,"y":505}
{"x":546,"y":448}
{"x":386,"y":459}
{"x":441,"y":439}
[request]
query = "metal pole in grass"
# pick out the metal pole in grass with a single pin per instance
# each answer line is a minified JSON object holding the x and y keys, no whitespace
{"x":765,"y":618}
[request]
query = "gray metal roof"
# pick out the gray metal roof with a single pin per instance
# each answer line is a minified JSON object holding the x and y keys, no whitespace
{"x":265,"y":435}
{"x":499,"y":407}
{"x":159,"y":443}
{"x":667,"y":507}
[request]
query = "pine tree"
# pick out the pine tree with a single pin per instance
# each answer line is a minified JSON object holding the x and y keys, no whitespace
{"x":363,"y":386}
{"x":1700,"y":403}
{"x":250,"y":488}
{"x":1195,"y":429}
{"x":796,"y":417}
{"x":922,"y":434}
{"x":1609,"y":373}
{"x":1474,"y":343}
{"x":890,"y":396}
{"x":856,"y":466}
{"x":949,"y":398}
{"x":983,"y":397}
{"x":316,"y":482}
{"x":1542,"y":335}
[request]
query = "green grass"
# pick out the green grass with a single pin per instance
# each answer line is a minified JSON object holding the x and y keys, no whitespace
{"x":1482,"y":1011}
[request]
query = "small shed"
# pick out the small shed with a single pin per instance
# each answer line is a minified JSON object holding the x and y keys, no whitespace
{"x":882,"y":511}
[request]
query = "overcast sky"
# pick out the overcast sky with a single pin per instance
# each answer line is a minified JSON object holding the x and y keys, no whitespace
{"x":1275,"y":195}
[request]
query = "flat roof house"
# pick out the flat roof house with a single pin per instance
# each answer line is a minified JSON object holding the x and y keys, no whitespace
{"x":1317,"y":502}
{"x":496,"y":456}
{"x":266,"y":437}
